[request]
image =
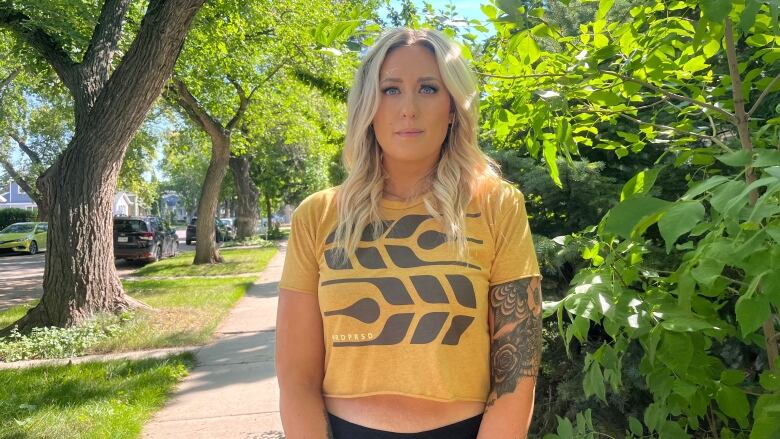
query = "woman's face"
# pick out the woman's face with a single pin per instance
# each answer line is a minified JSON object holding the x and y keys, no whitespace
{"x":415,"y":108}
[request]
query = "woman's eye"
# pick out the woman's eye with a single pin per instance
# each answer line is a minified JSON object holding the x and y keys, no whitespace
{"x":428,"y":89}
{"x":391,"y":91}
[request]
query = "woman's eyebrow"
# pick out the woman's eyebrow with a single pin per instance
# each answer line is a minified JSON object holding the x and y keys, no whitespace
{"x":422,"y":79}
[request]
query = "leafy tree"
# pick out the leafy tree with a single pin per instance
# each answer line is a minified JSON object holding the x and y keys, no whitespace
{"x":114,"y":78}
{"x":686,"y":280}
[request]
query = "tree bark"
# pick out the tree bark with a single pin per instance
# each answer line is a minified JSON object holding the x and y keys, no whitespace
{"x":248,"y":197}
{"x":268,"y":213}
{"x":206,"y":249}
{"x":80,"y":279}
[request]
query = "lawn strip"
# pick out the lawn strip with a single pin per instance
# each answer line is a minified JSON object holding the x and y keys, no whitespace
{"x":93,"y":400}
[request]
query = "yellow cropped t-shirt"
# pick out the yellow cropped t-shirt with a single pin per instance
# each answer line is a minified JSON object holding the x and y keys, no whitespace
{"x":404,"y":316}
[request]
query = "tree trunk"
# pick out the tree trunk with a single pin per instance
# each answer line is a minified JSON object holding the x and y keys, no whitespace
{"x":206,"y":250}
{"x":80,"y":279}
{"x":248,"y":197}
{"x":268,"y":214}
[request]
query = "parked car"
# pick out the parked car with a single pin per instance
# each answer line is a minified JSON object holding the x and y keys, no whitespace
{"x":192,"y":229}
{"x":24,"y":237}
{"x":230,"y":228}
{"x":143,"y":238}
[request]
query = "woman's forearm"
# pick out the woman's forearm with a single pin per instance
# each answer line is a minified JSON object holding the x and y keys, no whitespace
{"x":304,"y":415}
{"x":510,"y":415}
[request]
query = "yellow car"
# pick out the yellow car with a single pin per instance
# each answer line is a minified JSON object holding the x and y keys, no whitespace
{"x":24,"y":237}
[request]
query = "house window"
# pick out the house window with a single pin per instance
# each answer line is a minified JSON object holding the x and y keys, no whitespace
{"x":19,"y":190}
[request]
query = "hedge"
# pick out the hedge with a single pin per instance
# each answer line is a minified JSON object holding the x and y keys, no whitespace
{"x":14,"y":215}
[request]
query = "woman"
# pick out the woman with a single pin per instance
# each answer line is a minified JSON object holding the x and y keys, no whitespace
{"x":410,"y":302}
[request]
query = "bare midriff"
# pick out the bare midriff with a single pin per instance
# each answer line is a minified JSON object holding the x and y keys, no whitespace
{"x":402,"y":414}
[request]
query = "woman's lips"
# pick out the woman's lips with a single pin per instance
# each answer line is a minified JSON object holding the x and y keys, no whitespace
{"x":409,"y":133}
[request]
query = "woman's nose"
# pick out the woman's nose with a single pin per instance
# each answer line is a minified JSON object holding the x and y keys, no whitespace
{"x":409,"y":108}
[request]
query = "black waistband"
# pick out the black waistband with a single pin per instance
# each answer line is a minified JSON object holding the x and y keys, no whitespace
{"x":465,"y":429}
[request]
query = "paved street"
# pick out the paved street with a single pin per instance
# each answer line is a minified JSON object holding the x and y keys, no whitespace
{"x":21,"y":275}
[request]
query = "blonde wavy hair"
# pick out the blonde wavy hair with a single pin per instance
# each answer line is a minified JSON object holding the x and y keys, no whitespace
{"x":462,"y":168}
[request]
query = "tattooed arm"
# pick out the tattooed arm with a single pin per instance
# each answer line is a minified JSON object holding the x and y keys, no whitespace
{"x":515,"y":354}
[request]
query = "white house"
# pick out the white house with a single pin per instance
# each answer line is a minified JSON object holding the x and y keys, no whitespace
{"x":128,"y":204}
{"x":121,"y":204}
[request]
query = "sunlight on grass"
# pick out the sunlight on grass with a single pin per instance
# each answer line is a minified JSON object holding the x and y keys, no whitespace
{"x":237,"y":261}
{"x":186,"y":312}
{"x":93,"y":400}
{"x":10,"y":315}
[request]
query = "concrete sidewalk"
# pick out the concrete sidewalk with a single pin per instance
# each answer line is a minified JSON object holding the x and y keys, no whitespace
{"x":232,"y":392}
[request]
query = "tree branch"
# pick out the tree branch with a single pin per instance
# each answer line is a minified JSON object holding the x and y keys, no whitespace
{"x":671,"y":95}
{"x":45,"y":44}
{"x":243,"y":103}
{"x":244,"y":100}
{"x":9,"y":168}
{"x":34,"y":157}
{"x":194,"y":110}
{"x":713,"y":139}
{"x":8,"y":79}
{"x":105,"y":40}
{"x":763,"y":95}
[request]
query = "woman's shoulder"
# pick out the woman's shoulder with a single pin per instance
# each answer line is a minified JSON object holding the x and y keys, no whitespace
{"x":497,"y":192}
{"x":318,"y":202}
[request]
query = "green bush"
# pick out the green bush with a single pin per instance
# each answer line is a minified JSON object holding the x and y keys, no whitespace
{"x":53,"y":342}
{"x":14,"y":215}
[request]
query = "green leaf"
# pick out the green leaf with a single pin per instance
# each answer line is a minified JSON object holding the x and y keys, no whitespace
{"x":529,"y":48}
{"x":622,"y":218}
{"x":655,"y":415}
{"x":604,"y":7}
{"x":679,"y":220}
{"x":737,"y":159}
{"x":695,"y":64}
{"x":489,"y":10}
{"x":715,"y":10}
{"x":580,"y":327}
{"x":732,"y":377}
{"x":766,"y":158}
{"x":565,"y":429}
{"x":550,"y":157}
{"x":749,"y":15}
{"x":686,"y":324}
{"x":711,"y":48}
{"x":752,"y":312}
{"x":676,"y":351}
{"x":766,"y":413}
{"x":640,"y":183}
{"x":725,"y":194}
{"x":635,"y":426}
{"x":605,"y":98}
{"x":684,"y":389}
{"x":733,"y":402}
{"x":593,"y":383}
{"x":704,"y":186}
{"x":672,"y":430}
{"x":707,"y":271}
{"x":770,"y":381}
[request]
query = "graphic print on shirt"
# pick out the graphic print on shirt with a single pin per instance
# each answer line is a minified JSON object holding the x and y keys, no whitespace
{"x":393,"y":291}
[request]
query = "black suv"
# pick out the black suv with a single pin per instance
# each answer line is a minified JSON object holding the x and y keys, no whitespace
{"x":143,"y":238}
{"x":192,"y":229}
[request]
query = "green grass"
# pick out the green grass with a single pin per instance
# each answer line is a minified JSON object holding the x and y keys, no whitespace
{"x":93,"y":400}
{"x":236,"y":261}
{"x":14,"y":313}
{"x":185,"y":312}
